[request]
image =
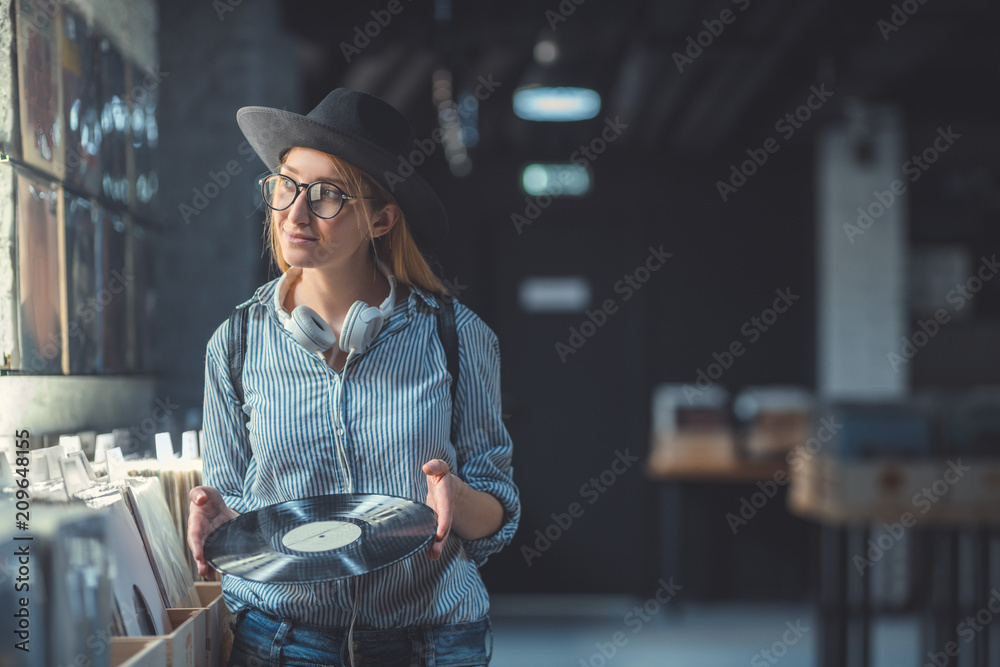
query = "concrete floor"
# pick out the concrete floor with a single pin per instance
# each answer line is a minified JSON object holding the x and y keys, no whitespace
{"x":570,"y":631}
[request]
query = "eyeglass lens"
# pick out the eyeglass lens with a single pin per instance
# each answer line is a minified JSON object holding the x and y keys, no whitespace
{"x":324,"y":199}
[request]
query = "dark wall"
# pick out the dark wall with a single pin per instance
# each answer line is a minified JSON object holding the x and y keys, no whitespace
{"x":209,"y":251}
{"x":569,"y":419}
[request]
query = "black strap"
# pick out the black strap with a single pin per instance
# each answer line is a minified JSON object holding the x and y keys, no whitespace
{"x":449,"y":339}
{"x":238,"y":322}
{"x":447,"y":332}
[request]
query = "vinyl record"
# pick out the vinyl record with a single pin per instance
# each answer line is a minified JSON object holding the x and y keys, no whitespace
{"x":321,"y":538}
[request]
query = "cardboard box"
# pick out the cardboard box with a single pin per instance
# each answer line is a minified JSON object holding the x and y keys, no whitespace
{"x":143,"y":653}
{"x":185,"y":646}
{"x":953,"y":491}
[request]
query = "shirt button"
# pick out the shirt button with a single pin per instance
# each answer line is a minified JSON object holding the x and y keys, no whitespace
{"x":340,"y":431}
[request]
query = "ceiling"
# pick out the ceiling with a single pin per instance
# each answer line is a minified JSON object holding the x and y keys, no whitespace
{"x":761,"y":65}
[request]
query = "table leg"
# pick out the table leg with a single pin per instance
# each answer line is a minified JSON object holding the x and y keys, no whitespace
{"x":942,"y":608}
{"x":858,"y":586}
{"x":833,"y":560}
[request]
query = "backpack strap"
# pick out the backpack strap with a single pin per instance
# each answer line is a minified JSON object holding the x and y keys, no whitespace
{"x":238,"y":322}
{"x":449,"y":339}
{"x":447,"y":332}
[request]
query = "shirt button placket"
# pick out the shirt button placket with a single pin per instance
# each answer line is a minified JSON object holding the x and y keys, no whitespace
{"x":336,"y":386}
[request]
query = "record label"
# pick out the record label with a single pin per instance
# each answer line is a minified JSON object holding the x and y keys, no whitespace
{"x":321,"y":536}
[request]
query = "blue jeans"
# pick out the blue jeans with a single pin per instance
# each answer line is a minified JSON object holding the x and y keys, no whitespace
{"x":260,"y":640}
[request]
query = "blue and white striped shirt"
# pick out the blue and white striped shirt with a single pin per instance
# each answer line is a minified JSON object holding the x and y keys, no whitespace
{"x":390,"y":412}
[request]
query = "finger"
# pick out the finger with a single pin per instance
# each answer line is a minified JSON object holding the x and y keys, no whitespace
{"x":436,"y":468}
{"x":444,"y":520}
{"x":198,"y":496}
{"x":205,"y":570}
{"x":437,"y":546}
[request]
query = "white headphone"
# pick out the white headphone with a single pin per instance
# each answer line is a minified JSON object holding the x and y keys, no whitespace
{"x":361,"y":324}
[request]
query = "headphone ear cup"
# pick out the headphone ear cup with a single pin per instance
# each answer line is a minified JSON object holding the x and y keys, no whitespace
{"x":352,"y":334}
{"x":309,"y":329}
{"x":361,"y":324}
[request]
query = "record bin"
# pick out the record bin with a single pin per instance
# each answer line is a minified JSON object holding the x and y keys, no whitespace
{"x":147,"y":653}
{"x":185,"y":646}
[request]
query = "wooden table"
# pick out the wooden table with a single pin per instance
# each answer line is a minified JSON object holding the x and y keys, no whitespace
{"x":678,"y":479}
{"x":952,"y":579}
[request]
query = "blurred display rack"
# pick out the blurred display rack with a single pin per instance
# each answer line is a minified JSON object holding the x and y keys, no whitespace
{"x":61,"y":403}
{"x":75,"y":190}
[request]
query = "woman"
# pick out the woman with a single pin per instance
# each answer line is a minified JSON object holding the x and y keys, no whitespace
{"x":371,"y":414}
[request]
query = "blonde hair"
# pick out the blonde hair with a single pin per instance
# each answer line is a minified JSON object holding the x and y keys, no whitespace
{"x":397,"y":248}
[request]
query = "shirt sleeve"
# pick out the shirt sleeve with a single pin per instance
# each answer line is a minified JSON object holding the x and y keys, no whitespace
{"x":226,"y":453}
{"x":483,"y":446}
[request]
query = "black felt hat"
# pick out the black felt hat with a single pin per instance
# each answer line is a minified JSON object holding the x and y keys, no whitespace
{"x":367,"y":132}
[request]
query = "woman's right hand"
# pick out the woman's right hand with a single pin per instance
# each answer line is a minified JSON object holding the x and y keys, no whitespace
{"x":206,"y":512}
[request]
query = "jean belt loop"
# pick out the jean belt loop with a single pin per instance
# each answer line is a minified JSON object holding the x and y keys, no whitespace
{"x":279,"y":641}
{"x":234,"y":622}
{"x":489,"y":636}
{"x":429,"y":648}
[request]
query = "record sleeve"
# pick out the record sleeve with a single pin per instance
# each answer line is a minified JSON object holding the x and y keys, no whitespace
{"x":166,"y":554}
{"x":81,"y":285}
{"x":136,"y":592}
{"x":142,"y":301}
{"x":39,"y":288}
{"x":115,"y":121}
{"x":80,"y":116}
{"x":144,"y":166}
{"x":113,"y":354}
{"x":322,"y":538}
{"x":38,"y":82}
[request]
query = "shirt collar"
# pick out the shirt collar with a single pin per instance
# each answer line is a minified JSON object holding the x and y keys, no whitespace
{"x":272,"y":294}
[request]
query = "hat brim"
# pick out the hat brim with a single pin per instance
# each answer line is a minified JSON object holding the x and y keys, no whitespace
{"x":271,"y":132}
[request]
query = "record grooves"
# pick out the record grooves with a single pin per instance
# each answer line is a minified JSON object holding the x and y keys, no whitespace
{"x":322,"y":538}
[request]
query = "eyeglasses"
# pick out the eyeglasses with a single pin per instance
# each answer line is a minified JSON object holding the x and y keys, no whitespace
{"x":325,"y":199}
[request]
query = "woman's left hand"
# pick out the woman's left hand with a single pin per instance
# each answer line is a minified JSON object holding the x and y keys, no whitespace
{"x":443,"y":491}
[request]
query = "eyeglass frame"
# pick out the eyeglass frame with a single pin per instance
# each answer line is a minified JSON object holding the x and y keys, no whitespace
{"x":298,"y":189}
